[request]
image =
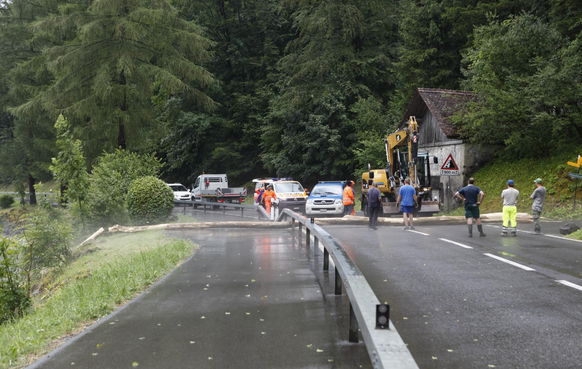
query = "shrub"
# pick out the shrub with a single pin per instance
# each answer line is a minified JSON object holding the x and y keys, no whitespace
{"x":109,"y":183}
{"x":14,"y":299}
{"x":50,"y":234}
{"x":6,"y":201}
{"x":149,"y":200}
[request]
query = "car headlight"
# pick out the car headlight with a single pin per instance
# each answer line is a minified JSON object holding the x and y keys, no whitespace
{"x":338,"y":201}
{"x":310,"y":202}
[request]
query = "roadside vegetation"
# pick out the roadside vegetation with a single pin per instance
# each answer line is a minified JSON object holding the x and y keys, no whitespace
{"x":492,"y":179}
{"x":102,"y":276}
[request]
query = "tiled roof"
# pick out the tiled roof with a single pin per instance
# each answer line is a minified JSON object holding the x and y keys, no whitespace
{"x":441,"y":103}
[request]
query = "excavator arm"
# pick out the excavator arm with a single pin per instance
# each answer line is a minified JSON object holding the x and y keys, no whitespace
{"x":407,"y":137}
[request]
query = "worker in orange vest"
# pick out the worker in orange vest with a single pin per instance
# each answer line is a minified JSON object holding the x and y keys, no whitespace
{"x":269,"y":196}
{"x":349,"y":199}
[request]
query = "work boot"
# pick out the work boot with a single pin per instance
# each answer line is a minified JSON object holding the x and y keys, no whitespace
{"x":480,"y":228}
{"x":470,"y":226}
{"x":503,"y":234}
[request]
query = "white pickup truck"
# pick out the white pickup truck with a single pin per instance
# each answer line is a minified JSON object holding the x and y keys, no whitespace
{"x":214,"y":188}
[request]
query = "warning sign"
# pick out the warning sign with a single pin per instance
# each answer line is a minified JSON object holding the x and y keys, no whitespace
{"x":449,"y":167}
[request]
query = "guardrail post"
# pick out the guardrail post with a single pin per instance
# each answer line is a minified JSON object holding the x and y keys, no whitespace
{"x":223,"y":209}
{"x":338,"y":282}
{"x":242,"y":212}
{"x":315,"y":246}
{"x":204,"y":207}
{"x":353,"y":336}
{"x":325,"y":259}
{"x":293,"y":225}
{"x":300,"y":231}
{"x":307,"y":237}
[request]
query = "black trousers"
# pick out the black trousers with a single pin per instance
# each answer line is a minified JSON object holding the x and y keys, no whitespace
{"x":348,"y":209}
{"x":373,"y":217}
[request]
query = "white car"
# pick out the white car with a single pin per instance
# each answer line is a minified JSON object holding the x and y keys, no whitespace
{"x":181,"y":193}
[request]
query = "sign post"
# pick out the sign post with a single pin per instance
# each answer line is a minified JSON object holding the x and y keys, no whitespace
{"x":576,"y":175}
{"x":449,"y":168}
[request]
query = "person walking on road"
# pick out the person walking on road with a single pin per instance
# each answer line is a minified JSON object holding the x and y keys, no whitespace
{"x":473,"y":197}
{"x":407,"y":200}
{"x":539,"y":197}
{"x":374,"y":202}
{"x":510,"y":196}
{"x":349,"y":199}
{"x":269,"y":196}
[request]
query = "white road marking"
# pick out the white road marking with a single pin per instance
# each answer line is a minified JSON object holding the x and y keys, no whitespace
{"x":455,"y":243}
{"x":510,"y":262}
{"x":561,"y":238}
{"x":569,"y":284}
{"x":424,"y":234}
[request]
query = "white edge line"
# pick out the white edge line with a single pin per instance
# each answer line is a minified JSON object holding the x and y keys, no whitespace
{"x":455,"y":243}
{"x":561,"y":238}
{"x":424,"y":234}
{"x":510,"y":262}
{"x":570,"y":284}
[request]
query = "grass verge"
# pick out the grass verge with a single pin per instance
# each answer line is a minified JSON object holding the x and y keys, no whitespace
{"x":103,"y":277}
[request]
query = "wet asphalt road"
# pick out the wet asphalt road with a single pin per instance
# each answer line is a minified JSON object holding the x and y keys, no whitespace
{"x":457,"y":307}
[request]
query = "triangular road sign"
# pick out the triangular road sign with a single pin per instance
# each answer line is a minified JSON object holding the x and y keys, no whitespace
{"x":450,"y":164}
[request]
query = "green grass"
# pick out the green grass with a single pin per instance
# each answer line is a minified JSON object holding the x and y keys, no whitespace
{"x":576,"y":235}
{"x":104,"y":276}
{"x":492,"y":179}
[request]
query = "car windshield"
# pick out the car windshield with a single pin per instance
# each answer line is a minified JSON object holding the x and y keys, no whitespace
{"x":178,"y":188}
{"x":288,"y":187}
{"x":327,"y":190}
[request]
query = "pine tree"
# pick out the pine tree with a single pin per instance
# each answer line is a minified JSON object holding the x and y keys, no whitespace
{"x":116,"y":55}
{"x":344,"y":52}
{"x":27,"y":137}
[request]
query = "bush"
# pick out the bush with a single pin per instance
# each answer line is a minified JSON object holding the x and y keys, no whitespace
{"x":6,"y":201}
{"x":149,"y":200}
{"x":109,"y":183}
{"x":49,"y":233}
{"x":14,"y":299}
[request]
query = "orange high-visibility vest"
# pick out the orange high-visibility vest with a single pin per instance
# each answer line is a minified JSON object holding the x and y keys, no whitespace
{"x":269,"y":195}
{"x":348,"y":196}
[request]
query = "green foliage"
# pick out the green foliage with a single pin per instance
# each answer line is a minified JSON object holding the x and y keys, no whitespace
{"x":19,"y":188}
{"x":49,"y":233}
{"x":372,"y":123}
{"x":117,"y":57}
{"x":14,"y":299}
{"x":553,"y":170}
{"x":6,"y":201}
{"x":109,"y":184}
{"x":344,"y":53}
{"x":522,"y":69}
{"x":69,"y":167}
{"x":149,"y":200}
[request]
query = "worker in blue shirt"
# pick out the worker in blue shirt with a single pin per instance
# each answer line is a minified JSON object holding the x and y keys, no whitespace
{"x":473,"y":197}
{"x":408,"y":199}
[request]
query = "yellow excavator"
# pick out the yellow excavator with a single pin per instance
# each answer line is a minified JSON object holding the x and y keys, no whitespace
{"x":403,"y":160}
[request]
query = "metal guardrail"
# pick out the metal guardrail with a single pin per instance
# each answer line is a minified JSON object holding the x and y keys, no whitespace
{"x":212,"y":204}
{"x":385,"y":346}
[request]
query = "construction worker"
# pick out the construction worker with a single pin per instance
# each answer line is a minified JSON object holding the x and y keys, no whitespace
{"x":269,"y":196}
{"x":259,"y":193}
{"x":510,"y":196}
{"x":349,"y":199}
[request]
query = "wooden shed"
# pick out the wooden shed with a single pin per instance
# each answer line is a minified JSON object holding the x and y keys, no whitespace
{"x":437,"y":136}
